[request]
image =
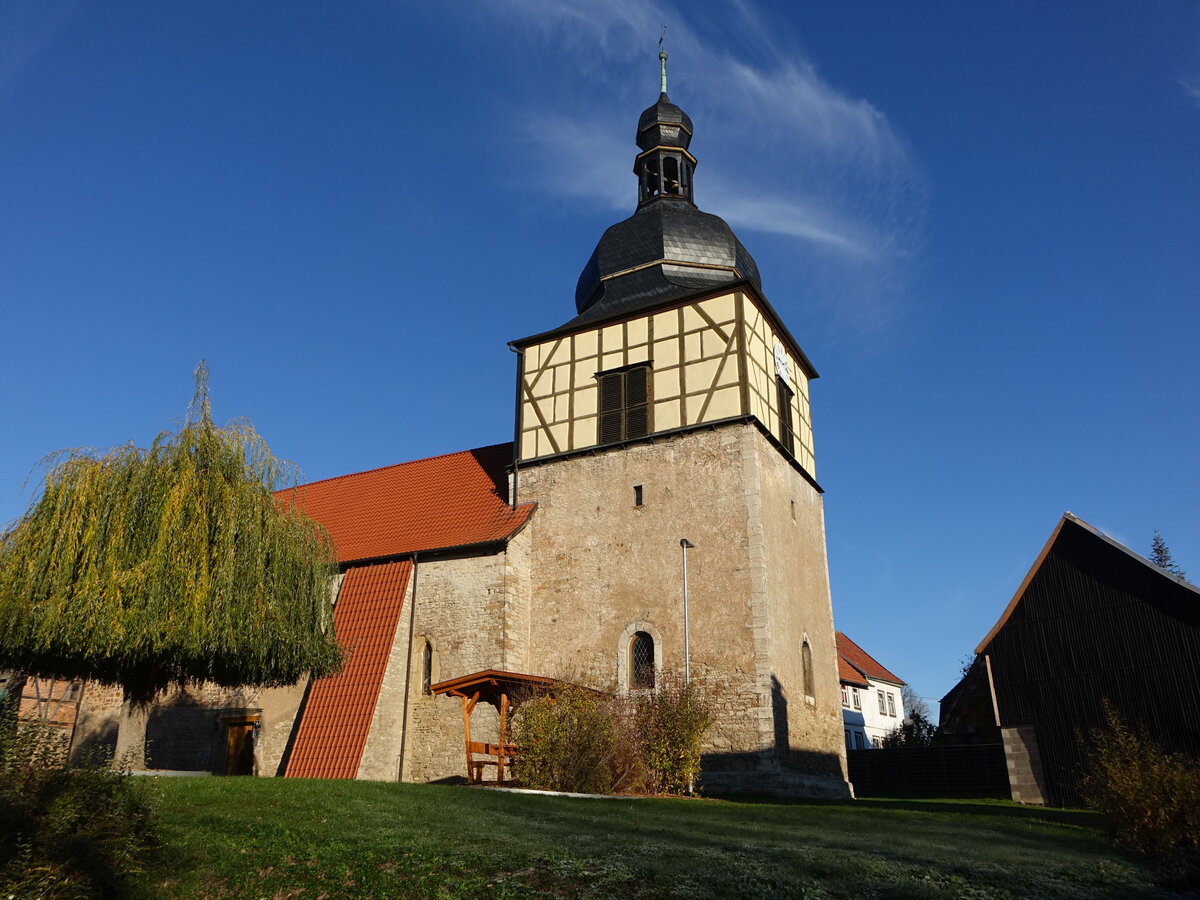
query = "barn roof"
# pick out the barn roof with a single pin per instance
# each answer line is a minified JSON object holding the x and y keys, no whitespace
{"x":1080,"y":527}
{"x":860,"y":662}
{"x":455,"y":500}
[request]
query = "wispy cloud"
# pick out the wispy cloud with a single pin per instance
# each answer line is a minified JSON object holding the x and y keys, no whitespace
{"x":1191,"y":87}
{"x":782,"y":151}
{"x":25,"y":28}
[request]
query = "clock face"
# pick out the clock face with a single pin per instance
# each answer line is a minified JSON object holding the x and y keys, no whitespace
{"x":781,"y":365}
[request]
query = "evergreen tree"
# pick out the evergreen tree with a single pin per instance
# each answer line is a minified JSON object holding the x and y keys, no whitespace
{"x":1160,"y":555}
{"x":172,"y":564}
{"x":914,"y":731}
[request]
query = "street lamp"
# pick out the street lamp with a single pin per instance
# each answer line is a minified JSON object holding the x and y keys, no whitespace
{"x":684,"y":544}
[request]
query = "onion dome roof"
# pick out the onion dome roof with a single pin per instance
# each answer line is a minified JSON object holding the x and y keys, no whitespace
{"x":664,"y":125}
{"x":666,"y":250}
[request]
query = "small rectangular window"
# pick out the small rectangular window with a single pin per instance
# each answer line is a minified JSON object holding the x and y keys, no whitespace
{"x":858,"y":741}
{"x":637,"y":495}
{"x":857,"y":698}
{"x":882,"y":704}
{"x":891,"y":704}
{"x":845,"y":696}
{"x":847,"y":740}
{"x":624,"y":404}
{"x":786,"y":435}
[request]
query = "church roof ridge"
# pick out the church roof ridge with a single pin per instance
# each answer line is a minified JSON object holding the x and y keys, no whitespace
{"x":407,"y":462}
{"x":453,"y":500}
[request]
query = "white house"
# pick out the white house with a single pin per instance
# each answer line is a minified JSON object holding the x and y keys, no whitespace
{"x":872,"y":705}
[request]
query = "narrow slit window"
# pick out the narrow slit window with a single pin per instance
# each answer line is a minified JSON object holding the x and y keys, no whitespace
{"x":806,"y":660}
{"x":426,"y":667}
{"x":637,"y":495}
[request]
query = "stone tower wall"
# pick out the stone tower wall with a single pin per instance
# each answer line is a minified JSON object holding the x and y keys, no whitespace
{"x":602,"y":567}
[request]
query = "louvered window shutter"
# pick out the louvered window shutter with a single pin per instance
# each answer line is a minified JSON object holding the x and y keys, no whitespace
{"x":611,"y":407}
{"x":637,"y":403}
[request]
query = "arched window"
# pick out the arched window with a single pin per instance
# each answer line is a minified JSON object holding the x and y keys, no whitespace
{"x":810,"y":689}
{"x":653,"y":184}
{"x":426,"y":667}
{"x":641,"y":661}
{"x":670,"y":175}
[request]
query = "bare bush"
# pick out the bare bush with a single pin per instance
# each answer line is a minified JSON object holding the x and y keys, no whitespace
{"x":1149,"y":797}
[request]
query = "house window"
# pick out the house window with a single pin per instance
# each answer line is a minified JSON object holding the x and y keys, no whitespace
{"x":845,"y":696}
{"x":786,"y":435}
{"x":891,"y":704}
{"x":857,"y":697}
{"x":848,"y":740}
{"x":426,"y":667}
{"x":882,"y":703}
{"x":641,"y":661}
{"x":858,"y":741}
{"x":810,"y":690}
{"x":624,"y":404}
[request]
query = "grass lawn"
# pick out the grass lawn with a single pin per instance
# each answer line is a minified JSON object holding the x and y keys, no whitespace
{"x":276,"y":838}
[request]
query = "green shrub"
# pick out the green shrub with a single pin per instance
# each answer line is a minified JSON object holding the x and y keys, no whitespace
{"x":1150,"y":798}
{"x":67,"y":833}
{"x":671,"y":722}
{"x":587,"y":742}
{"x":568,"y":742}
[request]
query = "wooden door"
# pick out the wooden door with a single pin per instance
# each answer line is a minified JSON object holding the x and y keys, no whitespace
{"x":239,"y":749}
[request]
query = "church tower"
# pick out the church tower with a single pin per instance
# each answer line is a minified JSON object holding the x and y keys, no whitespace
{"x":673,"y":410}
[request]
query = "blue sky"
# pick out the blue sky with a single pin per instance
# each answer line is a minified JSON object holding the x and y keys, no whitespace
{"x":979,"y":220}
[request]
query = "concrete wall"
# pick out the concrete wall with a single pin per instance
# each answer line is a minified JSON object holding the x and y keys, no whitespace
{"x":1026,"y":779}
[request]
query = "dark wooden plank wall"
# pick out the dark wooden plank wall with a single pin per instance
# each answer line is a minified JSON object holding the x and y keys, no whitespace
{"x":967,"y":771}
{"x":1094,"y":624}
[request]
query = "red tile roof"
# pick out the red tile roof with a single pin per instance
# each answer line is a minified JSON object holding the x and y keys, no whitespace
{"x":858,"y":658}
{"x":445,"y":501}
{"x":337,"y":714}
{"x":847,"y":674}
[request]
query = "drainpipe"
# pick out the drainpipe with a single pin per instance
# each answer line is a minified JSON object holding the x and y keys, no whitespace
{"x":516,"y":422}
{"x":684,"y":544}
{"x":412,"y":617}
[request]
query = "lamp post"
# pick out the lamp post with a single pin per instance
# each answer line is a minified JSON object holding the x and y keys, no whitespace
{"x":684,"y":544}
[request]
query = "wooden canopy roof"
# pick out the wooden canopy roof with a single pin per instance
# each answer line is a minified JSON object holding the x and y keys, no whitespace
{"x":491,"y":684}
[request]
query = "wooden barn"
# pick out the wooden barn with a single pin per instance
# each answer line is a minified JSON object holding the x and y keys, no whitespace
{"x":1092,"y":622}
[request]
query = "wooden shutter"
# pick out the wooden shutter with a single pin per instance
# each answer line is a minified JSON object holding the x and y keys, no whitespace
{"x":637,"y":403}
{"x":611,"y":397}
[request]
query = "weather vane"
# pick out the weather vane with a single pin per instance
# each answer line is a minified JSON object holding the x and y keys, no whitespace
{"x":662,"y":58}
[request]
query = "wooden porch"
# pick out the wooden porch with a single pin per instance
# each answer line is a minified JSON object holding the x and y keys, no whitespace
{"x":504,"y":691}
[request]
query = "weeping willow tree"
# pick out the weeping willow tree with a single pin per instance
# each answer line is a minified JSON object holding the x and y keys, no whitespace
{"x":172,"y":564}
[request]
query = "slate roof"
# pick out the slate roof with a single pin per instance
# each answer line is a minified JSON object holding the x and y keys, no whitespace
{"x":666,"y":250}
{"x":454,"y":500}
{"x":338,"y":711}
{"x":861,"y":661}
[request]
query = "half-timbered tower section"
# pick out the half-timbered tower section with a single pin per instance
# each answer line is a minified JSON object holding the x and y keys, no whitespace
{"x":672,"y":410}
